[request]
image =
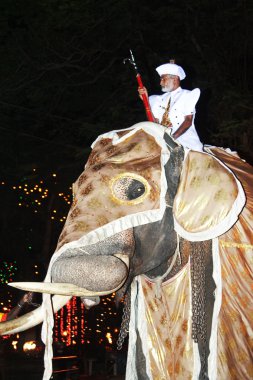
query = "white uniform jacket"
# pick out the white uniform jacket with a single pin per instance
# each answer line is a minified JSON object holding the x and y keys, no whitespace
{"x":182,"y":103}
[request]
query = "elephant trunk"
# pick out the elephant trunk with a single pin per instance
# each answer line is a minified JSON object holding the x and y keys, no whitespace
{"x":85,"y":275}
{"x":76,"y":278}
{"x":94,"y":273}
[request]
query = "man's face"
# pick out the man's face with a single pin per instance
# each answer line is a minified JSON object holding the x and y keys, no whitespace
{"x":169,"y":82}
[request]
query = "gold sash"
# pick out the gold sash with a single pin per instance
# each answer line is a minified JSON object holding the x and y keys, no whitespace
{"x":166,"y":119}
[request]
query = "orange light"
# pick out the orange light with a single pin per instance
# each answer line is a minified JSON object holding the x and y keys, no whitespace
{"x":28,"y":346}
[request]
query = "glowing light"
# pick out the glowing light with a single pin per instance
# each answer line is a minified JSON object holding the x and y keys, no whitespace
{"x":109,"y":337}
{"x":28,"y":346}
{"x":14,"y":344}
{"x":33,"y":195}
{"x":7,"y":271}
{"x":73,"y":325}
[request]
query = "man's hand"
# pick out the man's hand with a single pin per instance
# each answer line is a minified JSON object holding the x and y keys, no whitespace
{"x":142,"y":91}
{"x":27,"y":298}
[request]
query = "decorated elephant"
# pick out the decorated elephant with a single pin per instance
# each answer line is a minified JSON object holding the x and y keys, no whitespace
{"x":172,"y":229}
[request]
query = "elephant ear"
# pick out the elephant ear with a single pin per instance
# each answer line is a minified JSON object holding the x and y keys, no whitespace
{"x":209,"y":198}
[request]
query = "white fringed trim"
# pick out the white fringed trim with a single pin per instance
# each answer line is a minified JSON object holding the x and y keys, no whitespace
{"x":142,"y":328}
{"x":196,"y":362}
{"x":137,"y":322}
{"x":131,"y":355}
{"x":47,"y":335}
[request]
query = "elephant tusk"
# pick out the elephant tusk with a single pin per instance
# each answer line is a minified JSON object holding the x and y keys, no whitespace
{"x":31,"y":319}
{"x":63,"y":289}
{"x":66,"y":289}
{"x":123,"y":258}
{"x":63,"y":293}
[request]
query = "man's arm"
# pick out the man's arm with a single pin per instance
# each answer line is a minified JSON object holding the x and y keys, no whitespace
{"x":183,"y":127}
{"x":27,"y":298}
{"x":142,"y":91}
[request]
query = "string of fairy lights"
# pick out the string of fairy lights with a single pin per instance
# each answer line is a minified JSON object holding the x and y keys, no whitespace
{"x":33,"y":193}
{"x":7,"y":274}
{"x":74,"y":325}
{"x":7,"y":271}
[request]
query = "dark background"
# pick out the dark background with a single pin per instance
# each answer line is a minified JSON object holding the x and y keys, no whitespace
{"x":63,"y":82}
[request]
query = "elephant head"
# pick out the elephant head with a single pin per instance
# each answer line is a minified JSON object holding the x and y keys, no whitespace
{"x":138,"y":191}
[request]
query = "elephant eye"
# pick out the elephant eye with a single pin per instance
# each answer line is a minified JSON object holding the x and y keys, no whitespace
{"x":135,"y":190}
{"x":129,"y":188}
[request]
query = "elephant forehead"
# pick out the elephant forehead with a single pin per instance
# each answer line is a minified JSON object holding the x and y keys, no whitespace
{"x":139,"y":146}
{"x":100,"y":192}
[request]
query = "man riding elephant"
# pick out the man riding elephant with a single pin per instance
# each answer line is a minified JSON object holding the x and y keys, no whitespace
{"x":175,"y":109}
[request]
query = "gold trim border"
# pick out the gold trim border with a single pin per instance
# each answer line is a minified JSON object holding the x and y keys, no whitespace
{"x":134,"y":176}
{"x":234,"y":244}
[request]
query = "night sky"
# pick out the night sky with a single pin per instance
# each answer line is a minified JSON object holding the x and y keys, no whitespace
{"x":63,"y":82}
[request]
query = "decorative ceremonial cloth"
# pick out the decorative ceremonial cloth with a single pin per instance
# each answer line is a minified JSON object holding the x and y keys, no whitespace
{"x":161,"y":331}
{"x":235,"y":320}
{"x":101,"y":209}
{"x":208,"y":196}
{"x":164,"y":325}
{"x":123,"y":154}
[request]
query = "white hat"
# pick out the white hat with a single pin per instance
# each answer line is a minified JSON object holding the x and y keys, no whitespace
{"x":171,"y":68}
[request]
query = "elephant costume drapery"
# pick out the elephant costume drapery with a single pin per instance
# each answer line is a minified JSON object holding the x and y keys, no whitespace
{"x":166,"y":330}
{"x":208,"y":202}
{"x":141,"y":151}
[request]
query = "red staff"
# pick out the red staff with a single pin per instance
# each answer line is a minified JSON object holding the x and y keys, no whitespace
{"x":139,"y":80}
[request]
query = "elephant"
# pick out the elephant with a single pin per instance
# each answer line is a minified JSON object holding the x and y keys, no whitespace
{"x":169,"y":229}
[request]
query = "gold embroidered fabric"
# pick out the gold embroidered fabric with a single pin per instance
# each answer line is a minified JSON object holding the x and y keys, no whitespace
{"x":235,"y":328}
{"x":206,"y":193}
{"x":98,"y":193}
{"x":166,"y":119}
{"x":169,"y":343}
{"x":235,"y":244}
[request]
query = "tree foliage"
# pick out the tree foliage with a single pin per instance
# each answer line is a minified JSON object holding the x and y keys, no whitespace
{"x":63,"y":82}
